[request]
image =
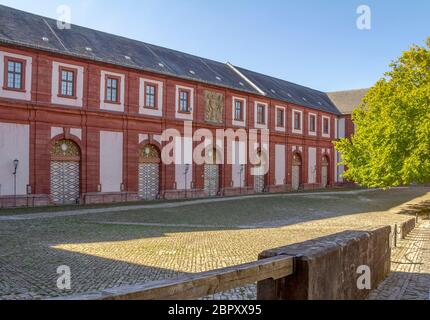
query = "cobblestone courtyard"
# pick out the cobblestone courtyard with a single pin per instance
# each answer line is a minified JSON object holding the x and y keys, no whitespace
{"x":116,"y":246}
{"x":410,"y":277}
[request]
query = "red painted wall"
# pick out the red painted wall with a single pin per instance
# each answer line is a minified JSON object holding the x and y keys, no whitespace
{"x":42,"y":115}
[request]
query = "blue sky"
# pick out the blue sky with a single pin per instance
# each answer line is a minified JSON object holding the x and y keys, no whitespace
{"x":311,"y":42}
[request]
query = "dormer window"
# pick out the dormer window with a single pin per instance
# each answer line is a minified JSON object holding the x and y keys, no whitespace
{"x":15,"y":74}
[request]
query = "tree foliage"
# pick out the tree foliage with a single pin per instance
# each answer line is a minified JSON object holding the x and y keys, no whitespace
{"x":391,"y":145}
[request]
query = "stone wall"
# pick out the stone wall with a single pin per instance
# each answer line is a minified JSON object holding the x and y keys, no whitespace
{"x":326,"y":268}
{"x":407,"y":227}
{"x":24,"y":201}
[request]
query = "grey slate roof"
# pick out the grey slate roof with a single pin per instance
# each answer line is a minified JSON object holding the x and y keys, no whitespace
{"x":347,"y":101}
{"x":28,"y":30}
{"x":22,"y":28}
{"x":286,"y":91}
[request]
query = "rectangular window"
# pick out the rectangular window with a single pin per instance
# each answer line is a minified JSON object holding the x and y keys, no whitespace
{"x":151,"y":96}
{"x":326,"y":125}
{"x":238,"y":110}
{"x":312,"y":123}
{"x":261,"y":114}
{"x":280,"y":119}
{"x":184,"y":101}
{"x":297,"y":121}
{"x":15,"y":74}
{"x":67,"y":82}
{"x":112,"y":89}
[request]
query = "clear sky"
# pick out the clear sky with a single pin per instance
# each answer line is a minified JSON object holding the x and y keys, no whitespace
{"x":310,"y":42}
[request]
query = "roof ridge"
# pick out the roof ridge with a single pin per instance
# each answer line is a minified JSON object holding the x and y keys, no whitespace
{"x":273,"y":77}
{"x":246,"y":79}
{"x":149,"y":56}
{"x":349,"y":90}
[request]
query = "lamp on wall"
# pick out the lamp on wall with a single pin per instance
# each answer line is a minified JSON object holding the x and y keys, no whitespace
{"x":186,"y":170}
{"x":15,"y":170}
{"x":242,"y":169}
{"x":15,"y":166}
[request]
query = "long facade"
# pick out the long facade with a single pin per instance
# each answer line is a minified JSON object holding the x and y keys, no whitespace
{"x":75,"y":129}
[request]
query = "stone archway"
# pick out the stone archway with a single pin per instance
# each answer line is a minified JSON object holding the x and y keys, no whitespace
{"x":325,"y":164}
{"x":212,"y":173}
{"x":296,"y":172}
{"x":149,"y":172}
{"x":65,"y":172}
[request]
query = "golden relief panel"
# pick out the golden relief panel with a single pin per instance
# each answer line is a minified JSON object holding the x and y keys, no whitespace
{"x":149,"y":153}
{"x":214,"y":110}
{"x":65,"y":149}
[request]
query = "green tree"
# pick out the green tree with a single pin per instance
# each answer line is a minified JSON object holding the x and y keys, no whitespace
{"x":391,"y":146}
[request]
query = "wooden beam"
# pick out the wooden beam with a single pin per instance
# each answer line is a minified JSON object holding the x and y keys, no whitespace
{"x":199,"y":285}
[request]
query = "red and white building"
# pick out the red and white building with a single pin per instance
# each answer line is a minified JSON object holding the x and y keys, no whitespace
{"x":82,"y":115}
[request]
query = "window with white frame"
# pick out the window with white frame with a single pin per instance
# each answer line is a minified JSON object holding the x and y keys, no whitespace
{"x":150,"y":96}
{"x":238,"y":110}
{"x":67,"y":82}
{"x":184,"y":101}
{"x":280,"y":120}
{"x":15,"y":74}
{"x":261,"y":113}
{"x":112,"y":89}
{"x":67,"y":85}
{"x":297,"y":122}
{"x":326,"y":127}
{"x":280,"y":117}
{"x":312,"y":124}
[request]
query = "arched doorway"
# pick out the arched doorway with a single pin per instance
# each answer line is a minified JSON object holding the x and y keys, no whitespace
{"x":296,"y":172}
{"x":211,"y":174}
{"x":149,"y":172}
{"x":259,"y":177}
{"x":324,"y":171}
{"x":65,"y":172}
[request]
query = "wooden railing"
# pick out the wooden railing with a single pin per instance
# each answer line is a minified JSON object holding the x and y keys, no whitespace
{"x":199,"y":285}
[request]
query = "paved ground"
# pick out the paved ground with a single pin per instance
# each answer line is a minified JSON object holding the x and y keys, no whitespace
{"x":410,"y":277}
{"x":27,"y":214}
{"x":122,"y":247}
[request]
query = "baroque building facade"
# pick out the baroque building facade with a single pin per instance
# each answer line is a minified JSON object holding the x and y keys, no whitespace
{"x":82,"y":114}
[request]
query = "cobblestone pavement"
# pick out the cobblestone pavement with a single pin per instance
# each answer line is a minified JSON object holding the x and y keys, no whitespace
{"x":410,"y":277}
{"x":116,"y":209}
{"x":113,"y":249}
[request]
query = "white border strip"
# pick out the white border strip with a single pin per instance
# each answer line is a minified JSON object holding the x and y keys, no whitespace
{"x":246,"y":79}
